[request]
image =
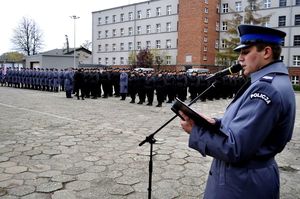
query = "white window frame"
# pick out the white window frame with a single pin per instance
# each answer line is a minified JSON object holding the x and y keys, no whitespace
{"x":106,"y":19}
{"x":168,"y":60}
{"x":158,"y":44}
{"x":169,"y":10}
{"x":168,"y":43}
{"x":139,"y":45}
{"x":206,"y":10}
{"x":238,"y":6}
{"x":224,"y":25}
{"x":106,"y":47}
{"x":106,"y":60}
{"x":114,"y":18}
{"x":130,"y":46}
{"x":122,"y":32}
{"x":295,"y":80}
{"x":99,"y":34}
{"x":122,"y":61}
{"x":139,"y":14}
{"x":130,"y":16}
{"x":130,"y":29}
{"x":99,"y":60}
{"x":168,"y":27}
{"x":106,"y":33}
{"x":158,"y":11}
{"x":99,"y":48}
{"x":114,"y":32}
{"x":139,"y":30}
{"x":148,"y":13}
{"x":113,"y":61}
{"x":267,"y":3}
{"x":148,"y":44}
{"x":158,"y":28}
{"x":148,"y":29}
{"x":296,"y":60}
{"x":121,"y":46}
{"x":121,"y":17}
{"x":114,"y":47}
{"x":99,"y":20}
{"x":225,"y":8}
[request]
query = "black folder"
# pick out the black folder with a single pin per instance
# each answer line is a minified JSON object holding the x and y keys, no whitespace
{"x":178,"y":105}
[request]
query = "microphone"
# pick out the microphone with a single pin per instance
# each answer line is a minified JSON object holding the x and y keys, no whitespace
{"x":227,"y":71}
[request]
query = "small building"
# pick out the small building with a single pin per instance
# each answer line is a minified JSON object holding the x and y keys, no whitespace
{"x":59,"y":58}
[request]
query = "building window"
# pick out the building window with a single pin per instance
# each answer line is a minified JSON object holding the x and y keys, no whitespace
{"x":205,"y":48}
{"x":217,"y":26}
{"x":281,"y":20}
{"x":139,"y":30}
{"x":121,"y":46}
{"x":106,"y":47}
{"x":158,"y":11}
{"x":114,"y":32}
{"x":217,"y":44}
{"x":168,"y":60}
{"x":224,"y":25}
{"x":129,"y":45}
{"x":106,"y":20}
{"x":148,"y":44}
{"x":297,"y":20}
{"x":267,"y":3}
{"x":99,"y":21}
{"x":206,"y":10}
{"x":223,"y":43}
{"x":139,"y":14}
{"x":122,"y":17}
{"x":158,"y":27}
{"x":204,"y":57}
{"x":122,"y":60}
{"x":99,"y":34}
{"x":99,"y":60}
{"x":122,"y":31}
{"x":148,"y":13}
{"x":114,"y":47}
{"x":169,"y":10}
{"x":281,"y":57}
{"x":113,"y":61}
{"x":99,"y":48}
{"x":295,"y":80}
{"x":168,"y":43}
{"x":158,"y":44}
{"x":282,"y":3}
{"x":106,"y":33}
{"x":205,"y":29}
{"x":169,"y":27}
{"x":139,"y":45}
{"x":252,"y":5}
{"x":205,"y":19}
{"x":238,"y":6}
{"x":130,"y":16}
{"x":297,"y":40}
{"x":130,"y":31}
{"x":206,"y":1}
{"x":296,"y":60}
{"x":205,"y":39}
{"x":114,"y":18}
{"x":106,"y":60}
{"x":148,"y":29}
{"x":225,"y":7}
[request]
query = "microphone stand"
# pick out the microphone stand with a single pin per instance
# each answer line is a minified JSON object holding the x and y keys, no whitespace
{"x":151,"y":140}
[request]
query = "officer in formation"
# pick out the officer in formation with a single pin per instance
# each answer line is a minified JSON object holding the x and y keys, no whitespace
{"x":36,"y":78}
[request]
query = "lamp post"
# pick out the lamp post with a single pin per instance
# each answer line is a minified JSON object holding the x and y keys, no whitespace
{"x":74,"y":17}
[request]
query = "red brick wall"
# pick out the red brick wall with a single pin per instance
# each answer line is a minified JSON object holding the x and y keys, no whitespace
{"x":191,"y":31}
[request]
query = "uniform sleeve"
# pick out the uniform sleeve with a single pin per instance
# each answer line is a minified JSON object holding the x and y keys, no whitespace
{"x":245,"y":133}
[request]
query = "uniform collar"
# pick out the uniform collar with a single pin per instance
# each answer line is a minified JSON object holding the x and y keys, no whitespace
{"x":273,"y":67}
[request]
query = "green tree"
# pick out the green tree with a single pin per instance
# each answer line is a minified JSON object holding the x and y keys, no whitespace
{"x":12,"y":57}
{"x":27,"y":37}
{"x":226,"y":56}
{"x":145,"y":58}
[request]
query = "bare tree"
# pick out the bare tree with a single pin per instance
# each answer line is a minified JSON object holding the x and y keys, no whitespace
{"x":27,"y":37}
{"x":87,"y":44}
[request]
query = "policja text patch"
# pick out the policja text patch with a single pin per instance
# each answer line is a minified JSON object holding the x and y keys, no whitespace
{"x":262,"y":96}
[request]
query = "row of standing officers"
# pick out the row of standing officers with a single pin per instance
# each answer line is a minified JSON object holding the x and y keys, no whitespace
{"x":95,"y":83}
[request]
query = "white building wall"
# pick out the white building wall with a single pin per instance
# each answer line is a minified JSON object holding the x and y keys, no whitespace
{"x":143,"y":37}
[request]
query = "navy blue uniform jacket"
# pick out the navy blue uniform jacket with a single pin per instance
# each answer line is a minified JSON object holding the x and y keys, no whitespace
{"x":255,"y":127}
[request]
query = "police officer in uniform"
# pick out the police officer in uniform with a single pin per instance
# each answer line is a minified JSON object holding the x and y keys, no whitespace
{"x":256,"y":125}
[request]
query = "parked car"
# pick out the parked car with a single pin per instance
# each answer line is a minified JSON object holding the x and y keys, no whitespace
{"x":197,"y":70}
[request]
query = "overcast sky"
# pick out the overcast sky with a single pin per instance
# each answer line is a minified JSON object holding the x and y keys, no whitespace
{"x":53,"y":19}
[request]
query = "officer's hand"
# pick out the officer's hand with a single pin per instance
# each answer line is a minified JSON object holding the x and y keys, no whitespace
{"x":187,"y":123}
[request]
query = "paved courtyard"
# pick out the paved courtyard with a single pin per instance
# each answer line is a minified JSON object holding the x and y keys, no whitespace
{"x":54,"y":147}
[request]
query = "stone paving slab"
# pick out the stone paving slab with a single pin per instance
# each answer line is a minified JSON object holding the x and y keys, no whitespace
{"x":53,"y":147}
